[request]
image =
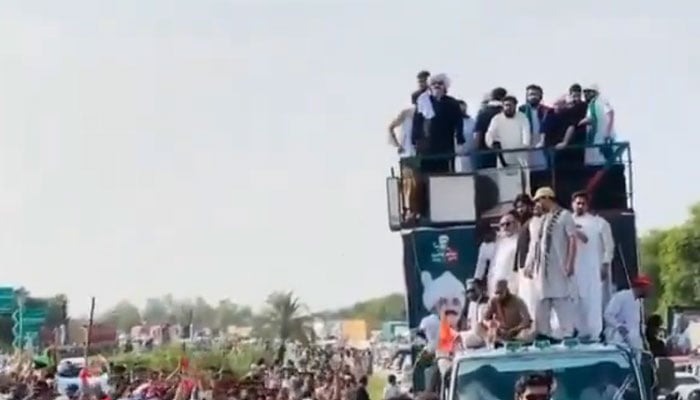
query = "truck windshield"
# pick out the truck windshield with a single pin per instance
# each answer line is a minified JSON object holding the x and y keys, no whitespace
{"x":577,"y":376}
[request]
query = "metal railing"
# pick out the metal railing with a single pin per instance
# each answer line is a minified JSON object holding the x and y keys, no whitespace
{"x":550,"y":169}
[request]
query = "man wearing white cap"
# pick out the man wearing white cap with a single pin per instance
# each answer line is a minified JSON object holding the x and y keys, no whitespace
{"x":553,"y":266}
{"x":600,"y":120}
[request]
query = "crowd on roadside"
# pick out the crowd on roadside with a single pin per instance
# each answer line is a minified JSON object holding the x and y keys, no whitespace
{"x":319,"y":373}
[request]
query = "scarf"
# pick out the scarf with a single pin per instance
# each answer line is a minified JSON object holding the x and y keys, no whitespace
{"x":424,"y":105}
{"x":546,"y":230}
{"x":593,"y":126}
{"x":529,"y":110}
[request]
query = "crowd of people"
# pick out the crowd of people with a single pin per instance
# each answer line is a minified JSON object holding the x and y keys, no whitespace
{"x":312,"y":373}
{"x":437,"y":134}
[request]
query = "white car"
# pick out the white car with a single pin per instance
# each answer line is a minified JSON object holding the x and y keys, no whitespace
{"x":686,"y":383}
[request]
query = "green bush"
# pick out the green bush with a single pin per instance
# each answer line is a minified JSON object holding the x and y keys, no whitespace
{"x":167,"y":359}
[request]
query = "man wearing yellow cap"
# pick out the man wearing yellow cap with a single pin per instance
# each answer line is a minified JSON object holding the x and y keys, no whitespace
{"x":552,"y":269}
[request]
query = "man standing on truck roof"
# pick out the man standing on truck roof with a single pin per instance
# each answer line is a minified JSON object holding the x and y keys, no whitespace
{"x":590,"y":268}
{"x":553,"y":266}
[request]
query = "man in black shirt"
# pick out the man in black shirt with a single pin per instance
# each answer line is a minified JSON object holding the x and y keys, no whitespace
{"x":563,"y":133}
{"x":483,"y":119}
{"x":444,"y":127}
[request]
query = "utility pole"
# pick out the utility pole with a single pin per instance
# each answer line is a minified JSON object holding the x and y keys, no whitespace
{"x":89,"y":330}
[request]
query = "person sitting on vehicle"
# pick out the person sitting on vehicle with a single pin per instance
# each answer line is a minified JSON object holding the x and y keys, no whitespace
{"x":476,"y":296}
{"x":506,"y":317}
{"x":534,"y":387}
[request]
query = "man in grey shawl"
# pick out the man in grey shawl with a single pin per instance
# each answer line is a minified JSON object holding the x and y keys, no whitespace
{"x":552,"y":269}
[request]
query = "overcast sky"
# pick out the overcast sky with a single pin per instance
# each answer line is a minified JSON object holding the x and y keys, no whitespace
{"x":229,"y":148}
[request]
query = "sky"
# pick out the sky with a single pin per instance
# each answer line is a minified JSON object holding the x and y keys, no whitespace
{"x":229,"y":148}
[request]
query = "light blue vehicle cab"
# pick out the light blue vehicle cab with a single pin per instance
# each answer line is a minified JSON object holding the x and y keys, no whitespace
{"x":581,"y":371}
{"x":67,"y":374}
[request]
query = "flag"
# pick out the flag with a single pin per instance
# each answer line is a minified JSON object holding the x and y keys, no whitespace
{"x":446,"y":339}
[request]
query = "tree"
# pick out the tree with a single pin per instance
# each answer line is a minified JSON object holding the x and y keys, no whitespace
{"x":649,"y":248}
{"x":204,"y":314}
{"x":284,"y":316}
{"x":156,"y":311}
{"x":374,"y":311}
{"x":672,"y":258}
{"x":124,"y":316}
{"x":228,"y":313}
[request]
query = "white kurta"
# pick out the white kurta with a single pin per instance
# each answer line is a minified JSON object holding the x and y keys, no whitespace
{"x":527,"y":289}
{"x":587,"y":273}
{"x":624,"y":309}
{"x":484,"y":259}
{"x":513,"y":133}
{"x":430,"y":325}
{"x":463,"y":163}
{"x":475,"y":315}
{"x":503,"y":264}
{"x":608,"y":249}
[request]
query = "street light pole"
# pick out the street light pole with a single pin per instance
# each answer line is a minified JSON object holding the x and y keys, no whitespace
{"x":21,"y":298}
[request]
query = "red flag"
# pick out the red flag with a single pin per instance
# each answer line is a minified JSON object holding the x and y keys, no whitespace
{"x":184,"y":363}
{"x":446,"y":340}
{"x":84,"y":375}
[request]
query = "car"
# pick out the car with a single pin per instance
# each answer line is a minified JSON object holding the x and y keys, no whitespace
{"x":685,"y":383}
{"x":579,"y":371}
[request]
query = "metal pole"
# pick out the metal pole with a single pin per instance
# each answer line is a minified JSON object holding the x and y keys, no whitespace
{"x":89,"y":330}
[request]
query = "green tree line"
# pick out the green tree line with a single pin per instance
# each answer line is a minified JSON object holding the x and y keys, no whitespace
{"x":168,"y":309}
{"x":671,"y":257}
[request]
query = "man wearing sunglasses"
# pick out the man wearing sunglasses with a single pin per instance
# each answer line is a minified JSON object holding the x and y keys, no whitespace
{"x":504,"y":254}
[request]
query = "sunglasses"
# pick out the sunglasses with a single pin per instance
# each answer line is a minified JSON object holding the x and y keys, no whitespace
{"x":437,"y":84}
{"x":533,"y":396}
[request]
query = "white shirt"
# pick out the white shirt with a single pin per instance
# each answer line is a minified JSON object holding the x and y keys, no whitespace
{"x":602,"y":110}
{"x":607,"y":239}
{"x":503,"y":264}
{"x":391,"y":391}
{"x":406,"y":140}
{"x":624,"y":309}
{"x":475,"y":314}
{"x":430,"y":325}
{"x":512,"y":133}
{"x":588,"y":254}
{"x":484,"y":259}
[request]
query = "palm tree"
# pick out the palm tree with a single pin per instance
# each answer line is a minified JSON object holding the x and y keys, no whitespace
{"x":286,"y":316}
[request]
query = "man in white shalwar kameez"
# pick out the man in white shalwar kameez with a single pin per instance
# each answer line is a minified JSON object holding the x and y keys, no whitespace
{"x":487,"y":249}
{"x":504,"y":256}
{"x":472,"y":336}
{"x":554,"y":265}
{"x":589,"y":268}
{"x":608,"y":249}
{"x":623,"y":315}
{"x":527,"y":290}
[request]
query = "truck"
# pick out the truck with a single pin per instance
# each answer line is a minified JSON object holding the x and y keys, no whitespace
{"x":578,"y":371}
{"x":458,"y":209}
